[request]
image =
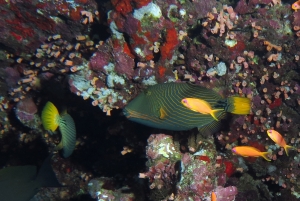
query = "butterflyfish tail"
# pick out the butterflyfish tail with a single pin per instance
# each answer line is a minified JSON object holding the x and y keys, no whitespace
{"x":265,"y":155}
{"x":68,"y":132}
{"x":50,"y":117}
{"x":238,"y":105}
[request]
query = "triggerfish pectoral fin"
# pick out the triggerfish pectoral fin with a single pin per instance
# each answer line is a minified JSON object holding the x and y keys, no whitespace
{"x":162,"y":113}
{"x":238,"y":105}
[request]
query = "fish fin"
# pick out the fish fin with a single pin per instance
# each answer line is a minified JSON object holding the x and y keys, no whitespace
{"x":287,"y":148}
{"x":213,"y":126}
{"x":50,"y":117}
{"x":265,"y":155}
{"x":213,"y":113}
{"x":68,"y":133}
{"x":59,"y":146}
{"x":162,"y":113}
{"x":46,"y":176}
{"x":238,"y":105}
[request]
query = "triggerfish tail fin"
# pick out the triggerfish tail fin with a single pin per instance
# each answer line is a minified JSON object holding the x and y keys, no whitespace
{"x":265,"y":155}
{"x":46,"y":176}
{"x":238,"y":105}
{"x":50,"y":117}
{"x":213,"y":113}
{"x":287,"y":148}
{"x":68,"y":132}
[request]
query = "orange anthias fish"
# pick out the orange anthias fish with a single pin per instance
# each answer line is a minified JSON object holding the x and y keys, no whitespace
{"x":213,"y":196}
{"x":199,"y":105}
{"x":278,"y":139}
{"x":296,"y":5}
{"x":247,"y":151}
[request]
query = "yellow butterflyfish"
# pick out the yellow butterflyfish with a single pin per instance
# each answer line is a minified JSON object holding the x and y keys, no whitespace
{"x":51,"y":120}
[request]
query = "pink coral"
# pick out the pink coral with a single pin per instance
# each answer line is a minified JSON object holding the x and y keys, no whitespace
{"x":25,"y":110}
{"x":224,"y":194}
{"x":100,"y":59}
{"x":124,"y":64}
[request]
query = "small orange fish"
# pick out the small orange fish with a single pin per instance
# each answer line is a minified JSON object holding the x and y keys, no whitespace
{"x":199,"y":105}
{"x":247,"y":151}
{"x":296,"y":5}
{"x":278,"y":139}
{"x":213,"y":196}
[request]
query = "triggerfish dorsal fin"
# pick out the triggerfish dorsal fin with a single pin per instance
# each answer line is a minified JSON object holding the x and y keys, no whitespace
{"x":238,"y":105}
{"x":68,"y":132}
{"x":50,"y":117}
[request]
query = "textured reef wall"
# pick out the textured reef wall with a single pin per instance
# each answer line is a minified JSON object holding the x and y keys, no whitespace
{"x":107,"y":52}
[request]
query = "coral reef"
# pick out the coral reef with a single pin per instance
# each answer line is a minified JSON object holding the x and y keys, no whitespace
{"x":91,"y":58}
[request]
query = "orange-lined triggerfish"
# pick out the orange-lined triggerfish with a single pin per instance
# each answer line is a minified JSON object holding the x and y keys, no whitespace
{"x":21,"y":183}
{"x":160,"y":106}
{"x":248,"y":151}
{"x":278,"y":139}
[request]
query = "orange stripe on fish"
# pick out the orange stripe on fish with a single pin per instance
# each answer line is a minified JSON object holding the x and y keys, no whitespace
{"x":199,"y":105}
{"x":247,"y":151}
{"x":278,"y":139}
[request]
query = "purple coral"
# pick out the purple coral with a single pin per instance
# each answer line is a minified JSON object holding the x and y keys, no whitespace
{"x":26,"y":110}
{"x":124,"y":64}
{"x":162,"y":157}
{"x":12,"y":76}
{"x":224,"y":194}
{"x":100,"y":59}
